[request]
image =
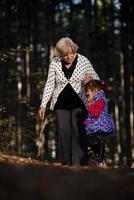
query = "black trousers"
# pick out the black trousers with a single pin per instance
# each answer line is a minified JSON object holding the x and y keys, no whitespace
{"x":97,"y":144}
{"x":72,"y":137}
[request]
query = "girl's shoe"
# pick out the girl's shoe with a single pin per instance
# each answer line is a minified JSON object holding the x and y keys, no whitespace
{"x":102,"y":164}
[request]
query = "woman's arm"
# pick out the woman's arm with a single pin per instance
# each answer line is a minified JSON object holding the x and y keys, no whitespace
{"x":90,"y":71}
{"x":96,"y":108}
{"x":49,"y":86}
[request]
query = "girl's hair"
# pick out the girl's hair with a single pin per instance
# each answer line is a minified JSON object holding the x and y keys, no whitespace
{"x":95,"y":84}
{"x":64,"y":46}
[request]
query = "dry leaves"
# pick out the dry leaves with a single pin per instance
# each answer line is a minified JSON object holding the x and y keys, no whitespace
{"x":18,"y":159}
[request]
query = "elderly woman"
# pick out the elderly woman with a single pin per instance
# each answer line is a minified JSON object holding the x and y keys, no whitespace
{"x":64,"y":87}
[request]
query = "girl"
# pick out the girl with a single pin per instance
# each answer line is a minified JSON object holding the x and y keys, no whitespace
{"x":99,"y":123}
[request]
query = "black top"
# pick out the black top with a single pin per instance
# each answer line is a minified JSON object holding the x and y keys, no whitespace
{"x":68,"y":98}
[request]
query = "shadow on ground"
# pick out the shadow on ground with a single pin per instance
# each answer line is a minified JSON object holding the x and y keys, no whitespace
{"x":47,"y":182}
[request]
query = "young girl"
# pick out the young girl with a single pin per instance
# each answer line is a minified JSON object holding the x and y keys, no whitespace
{"x":99,"y":124}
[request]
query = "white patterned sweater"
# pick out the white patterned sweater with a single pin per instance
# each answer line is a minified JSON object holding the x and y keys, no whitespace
{"x":56,"y":80}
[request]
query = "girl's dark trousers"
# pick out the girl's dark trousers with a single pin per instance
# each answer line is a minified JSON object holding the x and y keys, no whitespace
{"x":97,"y":144}
{"x":72,"y":137}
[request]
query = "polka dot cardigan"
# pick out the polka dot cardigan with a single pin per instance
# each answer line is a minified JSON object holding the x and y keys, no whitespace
{"x":56,"y":80}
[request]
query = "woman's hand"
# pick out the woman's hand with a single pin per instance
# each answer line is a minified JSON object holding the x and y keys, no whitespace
{"x":87,"y":78}
{"x":42,"y":111}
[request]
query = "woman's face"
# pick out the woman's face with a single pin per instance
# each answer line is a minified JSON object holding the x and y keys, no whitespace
{"x":69,"y":57}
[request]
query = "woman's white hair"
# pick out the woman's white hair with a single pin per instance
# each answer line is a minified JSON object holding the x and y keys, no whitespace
{"x":64,"y":46}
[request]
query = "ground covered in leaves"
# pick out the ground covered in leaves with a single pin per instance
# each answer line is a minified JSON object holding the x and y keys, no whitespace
{"x":29,"y":179}
{"x":6,"y":158}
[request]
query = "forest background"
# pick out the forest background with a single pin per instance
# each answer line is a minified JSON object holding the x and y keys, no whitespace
{"x":29,"y":30}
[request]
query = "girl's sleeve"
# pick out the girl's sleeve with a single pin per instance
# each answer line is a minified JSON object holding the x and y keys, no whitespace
{"x":96,"y":108}
{"x":49,"y":86}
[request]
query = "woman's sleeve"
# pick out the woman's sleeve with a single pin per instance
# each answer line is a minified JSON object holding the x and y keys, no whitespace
{"x":96,"y":108}
{"x":49,"y":86}
{"x":90,"y":70}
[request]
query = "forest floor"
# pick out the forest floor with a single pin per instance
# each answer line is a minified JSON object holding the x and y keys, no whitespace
{"x":29,"y":179}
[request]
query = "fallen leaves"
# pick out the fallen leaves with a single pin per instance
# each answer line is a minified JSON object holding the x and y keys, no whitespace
{"x":18,"y":159}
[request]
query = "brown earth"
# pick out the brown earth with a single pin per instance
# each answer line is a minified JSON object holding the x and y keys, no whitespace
{"x":28,"y":179}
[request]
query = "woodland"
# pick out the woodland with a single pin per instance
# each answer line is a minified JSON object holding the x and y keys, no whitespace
{"x":29,"y":30}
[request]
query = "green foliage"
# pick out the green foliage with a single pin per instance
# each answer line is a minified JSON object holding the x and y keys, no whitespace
{"x":13,"y":53}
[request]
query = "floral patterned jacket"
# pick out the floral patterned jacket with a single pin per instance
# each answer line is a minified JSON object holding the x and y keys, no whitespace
{"x":98,"y":119}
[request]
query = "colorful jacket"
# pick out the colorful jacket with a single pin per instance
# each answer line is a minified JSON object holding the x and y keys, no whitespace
{"x":98,"y":119}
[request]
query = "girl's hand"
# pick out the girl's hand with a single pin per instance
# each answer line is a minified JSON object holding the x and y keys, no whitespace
{"x":89,"y":100}
{"x":42,"y":111}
